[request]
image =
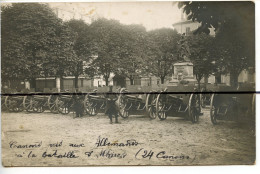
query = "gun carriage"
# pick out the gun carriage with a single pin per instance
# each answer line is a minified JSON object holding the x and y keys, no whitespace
{"x":132,"y":100}
{"x":206,"y":93}
{"x":232,"y":104}
{"x":95,"y":101}
{"x":181,"y":103}
{"x":64,"y":102}
{"x":39,"y":102}
{"x":14,"y":101}
{"x":138,"y":100}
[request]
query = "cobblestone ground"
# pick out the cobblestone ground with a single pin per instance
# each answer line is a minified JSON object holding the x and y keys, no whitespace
{"x":62,"y":140}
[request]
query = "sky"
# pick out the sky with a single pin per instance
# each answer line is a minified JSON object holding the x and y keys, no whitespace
{"x":152,"y":15}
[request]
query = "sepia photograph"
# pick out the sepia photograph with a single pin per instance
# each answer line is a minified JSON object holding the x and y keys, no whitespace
{"x":128,"y":83}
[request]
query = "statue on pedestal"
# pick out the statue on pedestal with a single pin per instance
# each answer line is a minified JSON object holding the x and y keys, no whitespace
{"x":183,"y":49}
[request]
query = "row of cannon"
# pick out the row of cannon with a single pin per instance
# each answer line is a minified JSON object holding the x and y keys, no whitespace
{"x":176,"y":101}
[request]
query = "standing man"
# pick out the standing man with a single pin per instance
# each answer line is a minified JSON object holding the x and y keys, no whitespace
{"x":79,"y":103}
{"x":111,"y":108}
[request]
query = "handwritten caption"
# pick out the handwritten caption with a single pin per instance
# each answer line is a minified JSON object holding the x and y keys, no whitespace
{"x":103,"y":148}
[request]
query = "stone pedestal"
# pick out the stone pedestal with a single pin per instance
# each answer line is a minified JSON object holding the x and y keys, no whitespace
{"x":183,"y":71}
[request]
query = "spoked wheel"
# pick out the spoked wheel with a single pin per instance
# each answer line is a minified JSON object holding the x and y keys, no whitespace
{"x":3,"y":107}
{"x":63,"y":107}
{"x":124,"y":113}
{"x":213,"y":114}
{"x":194,"y":108}
{"x":89,"y":106}
{"x":52,"y":104}
{"x":28,"y":104}
{"x":150,"y":105}
{"x":162,"y":115}
{"x":14,"y":105}
{"x":39,"y":107}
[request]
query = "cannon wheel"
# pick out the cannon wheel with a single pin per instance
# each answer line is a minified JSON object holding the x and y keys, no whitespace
{"x":150,"y":105}
{"x":89,"y":108}
{"x":62,"y":106}
{"x":213,"y":110}
{"x":12,"y":105}
{"x":28,"y":103}
{"x":194,"y":108}
{"x":122,"y":107}
{"x":162,"y":115}
{"x":3,"y":106}
{"x":52,"y":104}
{"x":40,"y":107}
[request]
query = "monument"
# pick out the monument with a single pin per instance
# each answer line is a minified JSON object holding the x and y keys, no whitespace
{"x":183,"y":69}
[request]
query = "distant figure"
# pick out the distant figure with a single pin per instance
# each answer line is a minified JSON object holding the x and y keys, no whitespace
{"x":78,"y":104}
{"x":111,"y":108}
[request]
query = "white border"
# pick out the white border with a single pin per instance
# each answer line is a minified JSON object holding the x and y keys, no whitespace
{"x":154,"y":169}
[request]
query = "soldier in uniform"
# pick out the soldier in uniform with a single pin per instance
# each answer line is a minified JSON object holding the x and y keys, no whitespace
{"x":111,"y":107}
{"x":78,"y":104}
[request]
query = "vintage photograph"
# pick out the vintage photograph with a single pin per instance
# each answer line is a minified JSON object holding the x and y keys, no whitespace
{"x":128,"y":83}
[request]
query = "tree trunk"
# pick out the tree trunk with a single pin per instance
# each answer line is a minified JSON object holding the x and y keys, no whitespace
{"x":199,"y":85}
{"x":61,"y":83}
{"x":234,"y":79}
{"x":106,"y":79}
{"x":199,"y":77}
{"x":131,"y":81}
{"x":33,"y":83}
{"x":206,"y":80}
{"x":76,"y":82}
{"x":162,"y":80}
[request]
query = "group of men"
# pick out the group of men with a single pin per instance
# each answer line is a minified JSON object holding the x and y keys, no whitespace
{"x":111,"y":106}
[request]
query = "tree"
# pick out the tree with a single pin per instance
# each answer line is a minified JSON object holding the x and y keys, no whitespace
{"x":81,"y":47}
{"x":106,"y":47}
{"x":200,"y":46}
{"x":131,"y":51}
{"x":34,"y":40}
{"x":235,"y":32}
{"x":162,"y":52}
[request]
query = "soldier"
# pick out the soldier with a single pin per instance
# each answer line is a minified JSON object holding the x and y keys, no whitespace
{"x":78,"y":104}
{"x":111,"y":107}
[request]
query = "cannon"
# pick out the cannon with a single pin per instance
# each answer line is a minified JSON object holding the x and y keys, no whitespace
{"x":138,"y":100}
{"x":36,"y":103}
{"x":230,"y":104}
{"x":14,"y":102}
{"x":131,"y":101}
{"x":181,"y":103}
{"x":206,"y":93}
{"x":64,"y":103}
{"x":39,"y":102}
{"x":95,"y":101}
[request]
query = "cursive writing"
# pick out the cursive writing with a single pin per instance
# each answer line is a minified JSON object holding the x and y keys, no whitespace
{"x":55,"y":154}
{"x":105,"y":142}
{"x":13,"y":144}
{"x":110,"y":154}
{"x":143,"y":153}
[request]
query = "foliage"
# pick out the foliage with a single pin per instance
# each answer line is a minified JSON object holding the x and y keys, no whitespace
{"x":34,"y":41}
{"x":162,"y":52}
{"x":131,"y":51}
{"x":81,"y":47}
{"x":106,"y":47}
{"x":200,"y":46}
{"x":235,"y":32}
